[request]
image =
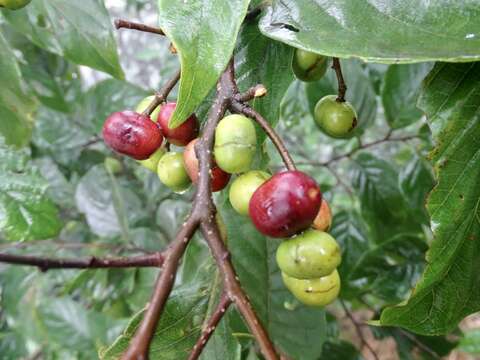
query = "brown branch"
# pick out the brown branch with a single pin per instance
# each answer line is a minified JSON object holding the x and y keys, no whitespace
{"x":246,"y":110}
{"x":255,"y":91}
{"x":44,"y":264}
{"x":342,"y":87}
{"x":210,"y":327}
{"x":119,"y":23}
{"x":358,"y":329}
{"x":161,"y":95}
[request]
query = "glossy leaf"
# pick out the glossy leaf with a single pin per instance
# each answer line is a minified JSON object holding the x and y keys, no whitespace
{"x":296,"y":329}
{"x":449,"y":288}
{"x":379,"y":31}
{"x":204,"y":49}
{"x":400,"y":91}
{"x":79,"y":31}
{"x":16,"y":105}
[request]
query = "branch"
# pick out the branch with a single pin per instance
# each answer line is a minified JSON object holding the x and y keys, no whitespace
{"x":161,"y":96}
{"x":212,"y":323}
{"x":342,"y":87}
{"x":255,"y":91}
{"x":276,"y":140}
{"x":119,"y":23}
{"x":44,"y":264}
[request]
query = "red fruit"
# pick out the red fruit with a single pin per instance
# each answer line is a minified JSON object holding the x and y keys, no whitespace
{"x":219,"y":177}
{"x":182,"y":134}
{"x":285,"y":204}
{"x":132,"y":134}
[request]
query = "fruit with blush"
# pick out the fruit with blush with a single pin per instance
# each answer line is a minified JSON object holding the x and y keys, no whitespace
{"x":323,"y":220}
{"x":182,"y":134}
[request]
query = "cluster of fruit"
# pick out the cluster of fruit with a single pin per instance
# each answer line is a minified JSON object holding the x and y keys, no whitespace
{"x":333,"y":116}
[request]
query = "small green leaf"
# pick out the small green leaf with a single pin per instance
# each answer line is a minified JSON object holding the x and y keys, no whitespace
{"x":79,"y":31}
{"x":449,"y":289}
{"x":204,"y":33}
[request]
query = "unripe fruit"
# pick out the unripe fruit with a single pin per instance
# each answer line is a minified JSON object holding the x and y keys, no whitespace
{"x":132,"y":134}
{"x":312,"y":254}
{"x":182,"y":134}
{"x":152,"y":162}
{"x":219,"y":178}
{"x":235,"y":143}
{"x":286,"y":204}
{"x":243,"y":188}
{"x":323,"y":221}
{"x":308,"y":66}
{"x":142,"y":105}
{"x":14,"y":4}
{"x":112,"y":165}
{"x":172,"y":173}
{"x":335,"y":118}
{"x":314,"y":292}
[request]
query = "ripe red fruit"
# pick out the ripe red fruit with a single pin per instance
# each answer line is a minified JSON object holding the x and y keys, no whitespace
{"x":285,"y":204}
{"x":182,"y":134}
{"x":132,"y":134}
{"x":219,"y":177}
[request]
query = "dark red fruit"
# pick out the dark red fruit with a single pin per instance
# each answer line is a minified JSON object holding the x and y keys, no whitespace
{"x":182,"y":134}
{"x":132,"y":134}
{"x":285,"y":204}
{"x":219,"y":177}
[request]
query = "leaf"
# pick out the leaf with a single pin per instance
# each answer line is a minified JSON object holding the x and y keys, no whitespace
{"x":339,"y":350}
{"x":26,"y":212}
{"x":449,"y":288}
{"x":296,"y":329}
{"x":378,"y":31}
{"x":204,"y":33}
{"x":273,"y":71}
{"x":400,"y":92}
{"x":16,"y":106}
{"x":79,"y":31}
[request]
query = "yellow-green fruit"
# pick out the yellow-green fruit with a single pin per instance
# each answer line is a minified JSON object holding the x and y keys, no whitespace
{"x":243,"y":188}
{"x":172,"y":173}
{"x":235,"y":143}
{"x":142,"y":105}
{"x":113,"y":165}
{"x":311,"y":254}
{"x":14,"y":4}
{"x":308,"y":66}
{"x":314,"y":292}
{"x":335,"y":118}
{"x":152,"y":162}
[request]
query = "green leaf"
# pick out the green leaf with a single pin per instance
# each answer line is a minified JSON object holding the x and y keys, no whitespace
{"x":470,"y":342}
{"x":339,"y":350}
{"x":449,"y":289}
{"x":378,"y":31}
{"x":273,"y":71}
{"x":297,"y":330}
{"x":400,"y":92}
{"x":79,"y":31}
{"x":16,"y":106}
{"x":204,"y":33}
{"x":26,"y":212}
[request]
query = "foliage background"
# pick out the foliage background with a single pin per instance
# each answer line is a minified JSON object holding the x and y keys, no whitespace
{"x":54,"y":188}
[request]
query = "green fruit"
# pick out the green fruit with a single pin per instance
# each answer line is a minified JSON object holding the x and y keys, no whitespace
{"x":152,"y":162}
{"x":142,"y":105}
{"x":235,"y":143}
{"x":14,"y":4}
{"x":172,"y":173}
{"x":314,"y":292}
{"x":113,"y":165}
{"x":335,"y":118}
{"x":312,"y":254}
{"x":308,"y":66}
{"x":243,"y":188}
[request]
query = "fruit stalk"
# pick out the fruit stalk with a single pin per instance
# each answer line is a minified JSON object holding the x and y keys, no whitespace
{"x":342,"y":87}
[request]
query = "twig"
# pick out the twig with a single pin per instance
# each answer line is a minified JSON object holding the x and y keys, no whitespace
{"x":44,"y":264}
{"x":276,"y":140}
{"x":358,"y":329}
{"x":161,"y":96}
{"x":255,"y":91}
{"x":96,"y":139}
{"x":211,"y":325}
{"x":342,"y":87}
{"x":120,"y":23}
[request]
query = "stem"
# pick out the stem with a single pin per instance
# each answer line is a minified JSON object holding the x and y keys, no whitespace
{"x":161,"y":96}
{"x":342,"y":87}
{"x":120,"y":23}
{"x":44,"y":264}
{"x":276,"y":140}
